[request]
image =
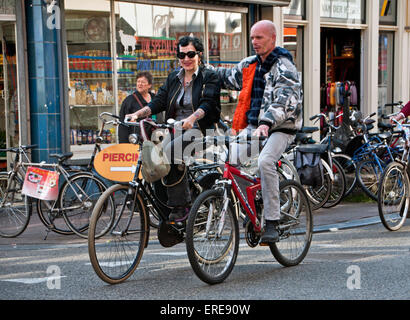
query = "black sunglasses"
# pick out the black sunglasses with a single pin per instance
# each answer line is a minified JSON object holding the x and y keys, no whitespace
{"x":190,"y":54}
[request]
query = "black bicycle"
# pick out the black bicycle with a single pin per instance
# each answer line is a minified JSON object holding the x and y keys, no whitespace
{"x":117,"y":253}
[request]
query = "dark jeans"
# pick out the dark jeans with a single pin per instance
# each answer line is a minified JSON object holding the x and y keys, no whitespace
{"x":177,"y":183}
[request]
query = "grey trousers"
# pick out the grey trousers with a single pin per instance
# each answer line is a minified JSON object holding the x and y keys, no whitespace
{"x":268,"y":157}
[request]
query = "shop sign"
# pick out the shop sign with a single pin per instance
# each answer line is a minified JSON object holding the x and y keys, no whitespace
{"x":341,"y":9}
{"x":276,"y":3}
{"x":221,"y":41}
{"x":117,"y":162}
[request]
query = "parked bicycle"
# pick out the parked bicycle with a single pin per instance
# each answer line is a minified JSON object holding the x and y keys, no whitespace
{"x":212,"y":234}
{"x":76,"y":197}
{"x":394,"y":188}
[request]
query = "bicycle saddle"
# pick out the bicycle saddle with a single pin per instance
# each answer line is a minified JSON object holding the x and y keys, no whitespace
{"x":309,"y":129}
{"x":61,"y":156}
{"x":313,"y":148}
{"x":385,"y":135}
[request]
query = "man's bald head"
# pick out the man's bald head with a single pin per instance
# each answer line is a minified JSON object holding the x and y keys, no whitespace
{"x":266,"y":25}
{"x":263,"y":37}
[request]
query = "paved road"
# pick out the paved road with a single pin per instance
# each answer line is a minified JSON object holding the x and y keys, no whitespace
{"x":348,"y":262}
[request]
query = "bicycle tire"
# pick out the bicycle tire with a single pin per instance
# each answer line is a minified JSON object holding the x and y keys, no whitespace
{"x":117,"y":253}
{"x":393,"y":201}
{"x":289,"y":170}
{"x":53,"y":221}
{"x":15,"y":209}
{"x":296,"y":225}
{"x":349,"y":168}
{"x":368,"y":177}
{"x":78,"y":196}
{"x":213,"y":264}
{"x":338,"y":189}
{"x":319,"y":195}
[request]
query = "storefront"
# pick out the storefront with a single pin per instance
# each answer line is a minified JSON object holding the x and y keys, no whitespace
{"x":65,"y":62}
{"x":109,"y":43}
{"x":13,"y":105}
{"x":357,"y":42}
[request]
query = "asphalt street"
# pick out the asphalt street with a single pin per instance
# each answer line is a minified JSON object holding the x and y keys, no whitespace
{"x":349,"y":241}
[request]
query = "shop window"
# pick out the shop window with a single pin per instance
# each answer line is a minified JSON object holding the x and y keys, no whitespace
{"x":385,"y":74}
{"x":340,"y":71}
{"x":295,"y":10}
{"x":388,"y":12}
{"x":226,"y":48}
{"x":293,"y":41}
{"x":147,"y":37}
{"x":345,"y":11}
{"x":90,"y":76}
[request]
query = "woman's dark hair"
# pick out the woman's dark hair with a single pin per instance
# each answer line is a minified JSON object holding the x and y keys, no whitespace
{"x":146,"y":75}
{"x":196,"y":42}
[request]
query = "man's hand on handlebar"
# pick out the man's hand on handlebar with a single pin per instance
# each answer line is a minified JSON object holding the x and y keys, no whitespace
{"x":263,"y":130}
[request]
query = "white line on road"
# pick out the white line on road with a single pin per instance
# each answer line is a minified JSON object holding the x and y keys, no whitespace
{"x":33,"y":280}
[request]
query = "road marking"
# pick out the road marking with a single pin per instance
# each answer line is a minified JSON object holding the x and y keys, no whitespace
{"x":112,"y":264}
{"x":176,"y":254}
{"x":33,"y":280}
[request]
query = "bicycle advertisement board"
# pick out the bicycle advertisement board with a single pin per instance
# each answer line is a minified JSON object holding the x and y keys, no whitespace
{"x":41,"y":184}
{"x":117,"y":162}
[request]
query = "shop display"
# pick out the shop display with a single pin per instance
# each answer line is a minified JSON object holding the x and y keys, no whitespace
{"x":154,"y":54}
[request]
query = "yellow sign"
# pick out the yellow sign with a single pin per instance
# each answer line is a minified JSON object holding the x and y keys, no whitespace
{"x":118,"y":162}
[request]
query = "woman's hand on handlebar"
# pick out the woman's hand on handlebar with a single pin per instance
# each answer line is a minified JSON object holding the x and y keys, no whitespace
{"x":188,"y":123}
{"x":142,"y":113}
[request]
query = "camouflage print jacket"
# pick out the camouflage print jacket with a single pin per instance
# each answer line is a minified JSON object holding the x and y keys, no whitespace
{"x":281,"y":107}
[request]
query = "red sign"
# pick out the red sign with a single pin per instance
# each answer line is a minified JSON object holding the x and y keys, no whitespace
{"x":41,"y":184}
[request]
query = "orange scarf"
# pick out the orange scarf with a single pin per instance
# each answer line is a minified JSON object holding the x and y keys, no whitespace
{"x":239,"y":121}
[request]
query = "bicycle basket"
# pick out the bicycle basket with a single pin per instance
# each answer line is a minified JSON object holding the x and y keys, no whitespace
{"x":155,"y":165}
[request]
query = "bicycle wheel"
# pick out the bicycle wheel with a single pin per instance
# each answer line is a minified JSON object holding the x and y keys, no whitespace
{"x":117,"y":253}
{"x":349,"y":168}
{"x":212,"y":237}
{"x":338,"y":189}
{"x":319,"y":195}
{"x":288,"y":170}
{"x":296,"y":225}
{"x":393,"y":199}
{"x":368,"y":176}
{"x":78,"y":196}
{"x":52,"y":217}
{"x":15,"y":207}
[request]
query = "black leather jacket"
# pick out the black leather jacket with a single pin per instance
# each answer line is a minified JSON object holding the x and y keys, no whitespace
{"x":205,"y":94}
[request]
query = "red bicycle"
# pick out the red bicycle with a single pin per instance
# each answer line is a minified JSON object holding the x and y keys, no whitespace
{"x":212,"y":232}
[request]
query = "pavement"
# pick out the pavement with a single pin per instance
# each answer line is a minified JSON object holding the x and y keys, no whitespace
{"x":345,"y":215}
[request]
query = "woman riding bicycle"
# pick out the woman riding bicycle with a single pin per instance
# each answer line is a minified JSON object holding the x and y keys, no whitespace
{"x":190,"y":95}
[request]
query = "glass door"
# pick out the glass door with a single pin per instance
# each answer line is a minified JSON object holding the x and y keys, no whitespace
{"x":9,"y":108}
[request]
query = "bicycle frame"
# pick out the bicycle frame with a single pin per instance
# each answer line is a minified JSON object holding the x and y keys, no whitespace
{"x":230,"y":172}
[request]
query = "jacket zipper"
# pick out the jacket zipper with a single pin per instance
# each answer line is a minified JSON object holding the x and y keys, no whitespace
{"x":172,"y":99}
